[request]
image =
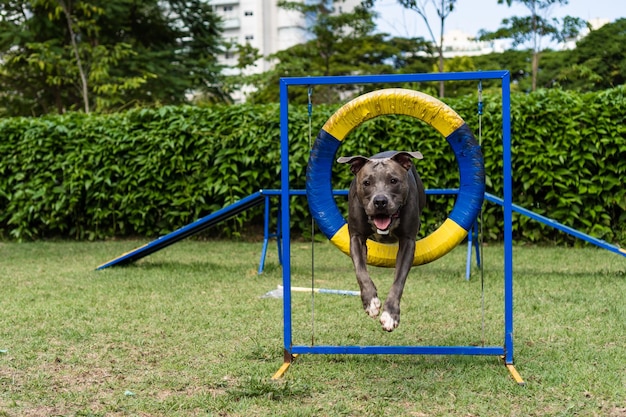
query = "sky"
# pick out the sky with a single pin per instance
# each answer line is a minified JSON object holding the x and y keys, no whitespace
{"x":470,"y":16}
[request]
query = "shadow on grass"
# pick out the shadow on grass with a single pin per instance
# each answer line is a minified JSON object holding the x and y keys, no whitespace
{"x":181,"y":266}
{"x":387,"y":375}
{"x":275,"y":390}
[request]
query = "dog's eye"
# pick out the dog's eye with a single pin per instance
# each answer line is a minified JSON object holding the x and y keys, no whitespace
{"x":366,"y":183}
{"x":393,"y":180}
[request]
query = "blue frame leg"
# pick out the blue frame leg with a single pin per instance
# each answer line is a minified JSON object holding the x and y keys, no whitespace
{"x":266,"y":234}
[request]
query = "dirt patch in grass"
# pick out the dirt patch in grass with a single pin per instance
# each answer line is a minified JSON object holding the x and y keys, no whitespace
{"x":617,"y":412}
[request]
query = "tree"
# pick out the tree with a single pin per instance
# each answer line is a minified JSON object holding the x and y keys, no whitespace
{"x":238,"y":79}
{"x":193,"y":50}
{"x":79,"y":66}
{"x":518,"y":62}
{"x":599,"y":60}
{"x":460,"y":64}
{"x":59,"y":55}
{"x":534,"y":28}
{"x":443,"y":9}
{"x":341,"y":44}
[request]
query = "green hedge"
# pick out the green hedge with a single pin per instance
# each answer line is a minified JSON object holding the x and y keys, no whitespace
{"x":147,"y":172}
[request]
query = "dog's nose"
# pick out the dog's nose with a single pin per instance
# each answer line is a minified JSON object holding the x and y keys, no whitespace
{"x":380,"y":202}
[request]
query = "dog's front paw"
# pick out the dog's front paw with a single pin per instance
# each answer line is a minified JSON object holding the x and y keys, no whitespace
{"x":373,"y":308}
{"x":389,"y":323}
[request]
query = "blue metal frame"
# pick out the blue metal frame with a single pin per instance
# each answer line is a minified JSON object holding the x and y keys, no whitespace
{"x":506,"y":351}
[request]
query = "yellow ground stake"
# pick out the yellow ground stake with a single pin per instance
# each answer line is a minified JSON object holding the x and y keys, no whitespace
{"x":516,"y":376}
{"x":289,"y":358}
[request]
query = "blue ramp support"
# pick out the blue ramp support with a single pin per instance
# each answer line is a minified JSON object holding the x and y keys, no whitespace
{"x":559,"y":226}
{"x":199,"y":225}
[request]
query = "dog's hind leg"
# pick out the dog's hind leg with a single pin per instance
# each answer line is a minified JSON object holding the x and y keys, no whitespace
{"x":369,"y":294}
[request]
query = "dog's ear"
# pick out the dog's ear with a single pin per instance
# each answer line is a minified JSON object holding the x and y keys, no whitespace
{"x":404,"y":158}
{"x":356,"y":162}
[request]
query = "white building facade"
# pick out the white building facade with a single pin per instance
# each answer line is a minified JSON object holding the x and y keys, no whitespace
{"x":259,"y":23}
{"x":264,"y":26}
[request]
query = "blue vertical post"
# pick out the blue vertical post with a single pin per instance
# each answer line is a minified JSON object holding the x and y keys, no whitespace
{"x":468,"y":261}
{"x":508,"y":219}
{"x":286,"y":221}
{"x":266,"y":233}
{"x":477,"y":246}
{"x":279,"y":238}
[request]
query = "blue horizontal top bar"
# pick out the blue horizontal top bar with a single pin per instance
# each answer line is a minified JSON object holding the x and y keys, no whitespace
{"x":394,"y":78}
{"x":430,"y":191}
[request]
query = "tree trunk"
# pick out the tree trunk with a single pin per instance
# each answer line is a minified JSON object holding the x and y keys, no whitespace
{"x":535,"y":58}
{"x":535,"y":70}
{"x":81,"y":71}
{"x":441,"y":86}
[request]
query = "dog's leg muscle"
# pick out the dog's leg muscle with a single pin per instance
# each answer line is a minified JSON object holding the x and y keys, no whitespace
{"x":390,"y":319}
{"x":369,"y":294}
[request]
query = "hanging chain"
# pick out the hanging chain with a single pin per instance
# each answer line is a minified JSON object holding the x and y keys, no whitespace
{"x":310,"y":110}
{"x":481,"y":231}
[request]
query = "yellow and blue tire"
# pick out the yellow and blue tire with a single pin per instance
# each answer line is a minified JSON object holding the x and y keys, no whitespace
{"x":410,"y":103}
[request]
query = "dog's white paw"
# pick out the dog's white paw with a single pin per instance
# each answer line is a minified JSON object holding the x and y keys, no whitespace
{"x":374,"y":308}
{"x":388,"y":322}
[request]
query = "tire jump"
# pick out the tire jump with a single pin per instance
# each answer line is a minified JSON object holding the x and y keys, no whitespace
{"x":421,"y":106}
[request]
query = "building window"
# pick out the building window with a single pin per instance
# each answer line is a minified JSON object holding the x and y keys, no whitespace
{"x":249,"y":37}
{"x":228,"y":8}
{"x":248,"y":13}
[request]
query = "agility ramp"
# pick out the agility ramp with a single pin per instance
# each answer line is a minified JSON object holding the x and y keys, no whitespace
{"x":199,"y":225}
{"x":559,"y":226}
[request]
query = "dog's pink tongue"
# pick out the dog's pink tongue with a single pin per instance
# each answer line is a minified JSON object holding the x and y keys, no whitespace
{"x":382,"y":222}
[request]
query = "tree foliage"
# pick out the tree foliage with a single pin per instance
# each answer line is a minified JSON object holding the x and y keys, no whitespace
{"x":60,"y":55}
{"x":599,"y":60}
{"x":534,"y":28}
{"x":63,"y":55}
{"x":341,"y":44}
{"x":443,"y":9}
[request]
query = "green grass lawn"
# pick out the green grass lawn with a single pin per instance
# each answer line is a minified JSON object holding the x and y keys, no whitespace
{"x":186,"y":332}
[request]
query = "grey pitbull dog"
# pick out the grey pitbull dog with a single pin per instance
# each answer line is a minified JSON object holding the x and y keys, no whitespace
{"x":386,"y":198}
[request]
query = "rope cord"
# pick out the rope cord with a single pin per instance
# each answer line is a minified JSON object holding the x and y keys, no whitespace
{"x":310,"y":110}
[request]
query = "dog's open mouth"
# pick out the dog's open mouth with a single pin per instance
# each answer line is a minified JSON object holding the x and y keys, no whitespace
{"x":383,"y":222}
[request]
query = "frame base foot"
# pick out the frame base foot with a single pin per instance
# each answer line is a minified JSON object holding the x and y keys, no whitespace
{"x":516,"y":376}
{"x":288,"y":360}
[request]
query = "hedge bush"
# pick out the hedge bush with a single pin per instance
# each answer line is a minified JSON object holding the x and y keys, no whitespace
{"x":146,"y":172}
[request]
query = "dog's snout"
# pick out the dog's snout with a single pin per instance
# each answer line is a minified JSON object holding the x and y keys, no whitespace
{"x":380,"y":202}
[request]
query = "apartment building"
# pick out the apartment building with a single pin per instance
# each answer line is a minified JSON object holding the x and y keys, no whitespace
{"x":265,"y":26}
